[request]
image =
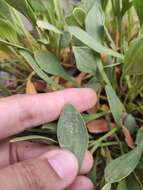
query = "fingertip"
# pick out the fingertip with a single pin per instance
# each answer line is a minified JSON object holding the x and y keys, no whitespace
{"x":82,"y":98}
{"x":91,"y":92}
{"x":91,"y":95}
{"x":64,"y":163}
{"x":87,"y":163}
{"x":81,"y":182}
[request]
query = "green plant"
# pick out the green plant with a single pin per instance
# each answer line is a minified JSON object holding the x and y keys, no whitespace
{"x":97,"y":44}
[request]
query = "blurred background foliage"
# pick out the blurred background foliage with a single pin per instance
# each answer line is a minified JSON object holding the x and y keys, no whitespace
{"x":48,"y":45}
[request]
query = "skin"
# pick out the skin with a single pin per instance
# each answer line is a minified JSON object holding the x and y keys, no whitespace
{"x":28,"y":166}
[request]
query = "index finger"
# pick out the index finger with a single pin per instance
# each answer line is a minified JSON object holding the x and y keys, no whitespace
{"x":20,"y":112}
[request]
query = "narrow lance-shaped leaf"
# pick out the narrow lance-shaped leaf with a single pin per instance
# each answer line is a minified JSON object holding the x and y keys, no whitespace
{"x":95,"y":21}
{"x":88,"y":40}
{"x":12,"y":44}
{"x":7,"y":31}
{"x":37,"y":138}
{"x":23,"y":7}
{"x":123,"y":166}
{"x":37,"y":5}
{"x":58,"y":10}
{"x":134,"y":59}
{"x":4,"y":10}
{"x":117,"y":108}
{"x":72,"y":133}
{"x":138,"y":4}
{"x":90,"y":117}
{"x":47,"y":26}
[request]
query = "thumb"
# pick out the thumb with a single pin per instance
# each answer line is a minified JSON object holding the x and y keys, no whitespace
{"x":54,"y":170}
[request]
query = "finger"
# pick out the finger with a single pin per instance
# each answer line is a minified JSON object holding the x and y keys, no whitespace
{"x":49,"y":171}
{"x":21,"y":151}
{"x":15,"y":152}
{"x":87,"y":163}
{"x":23,"y":111}
{"x":81,"y":182}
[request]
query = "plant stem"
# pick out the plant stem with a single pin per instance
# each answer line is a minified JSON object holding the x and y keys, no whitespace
{"x":109,"y":144}
{"x":97,"y":143}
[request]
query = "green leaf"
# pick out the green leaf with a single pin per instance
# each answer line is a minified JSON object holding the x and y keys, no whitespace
{"x":76,"y":18}
{"x":91,"y":42}
{"x":35,"y":138}
{"x":134,"y":59}
{"x":47,"y":26}
{"x":90,"y":117}
{"x":123,"y":166}
{"x":126,"y":5}
{"x":140,"y":164}
{"x":122,"y":185}
{"x":133,"y":183}
{"x":95,"y":21}
{"x":52,"y":127}
{"x":30,"y":60}
{"x":4,"y":10}
{"x":65,"y":39}
{"x":85,"y":59}
{"x":107,"y":187}
{"x":72,"y":133}
{"x":49,"y":63}
{"x":37,"y":5}
{"x":117,"y":108}
{"x":79,"y":15}
{"x":86,"y":117}
{"x":130,"y":123}
{"x":12,"y":44}
{"x":139,"y":137}
{"x":117,"y":10}
{"x":23,"y":7}
{"x":102,"y":71}
{"x":58,"y":10}
{"x":87,"y":5}
{"x":95,"y":83}
{"x":70,"y":20}
{"x":138,"y":4}
{"x":7,"y":31}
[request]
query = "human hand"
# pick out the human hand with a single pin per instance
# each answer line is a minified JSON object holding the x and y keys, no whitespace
{"x":28,"y":166}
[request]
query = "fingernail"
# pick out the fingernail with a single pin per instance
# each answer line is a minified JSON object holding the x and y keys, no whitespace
{"x":63,"y":163}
